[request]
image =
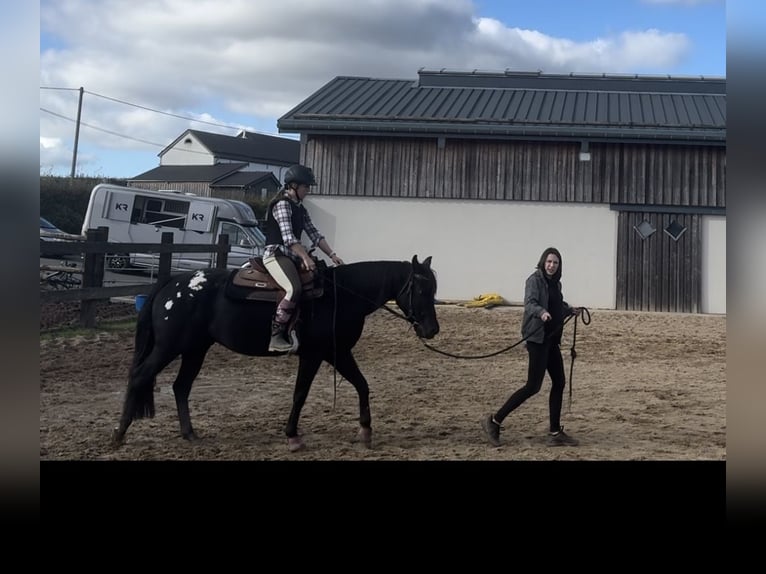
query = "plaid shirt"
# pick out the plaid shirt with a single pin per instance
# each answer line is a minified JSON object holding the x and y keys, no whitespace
{"x":282,"y":213}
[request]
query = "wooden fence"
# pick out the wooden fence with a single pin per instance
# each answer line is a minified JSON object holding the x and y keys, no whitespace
{"x":94,"y":249}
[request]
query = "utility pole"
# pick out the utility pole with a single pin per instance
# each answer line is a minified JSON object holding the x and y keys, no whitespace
{"x":76,"y":135}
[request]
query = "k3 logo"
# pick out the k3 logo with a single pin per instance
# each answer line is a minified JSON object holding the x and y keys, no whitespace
{"x":120,"y":206}
{"x":198,"y":217}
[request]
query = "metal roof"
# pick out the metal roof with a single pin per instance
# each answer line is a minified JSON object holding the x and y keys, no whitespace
{"x":245,"y":179}
{"x":519,"y":105}
{"x":248,"y":147}
{"x":199,"y":173}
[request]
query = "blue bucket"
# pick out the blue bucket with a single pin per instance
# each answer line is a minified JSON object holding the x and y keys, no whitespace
{"x":140,"y":300}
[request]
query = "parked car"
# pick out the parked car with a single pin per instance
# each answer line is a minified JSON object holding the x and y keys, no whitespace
{"x":51,"y":233}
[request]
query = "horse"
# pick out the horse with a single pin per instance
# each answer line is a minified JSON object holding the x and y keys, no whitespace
{"x":187,"y":313}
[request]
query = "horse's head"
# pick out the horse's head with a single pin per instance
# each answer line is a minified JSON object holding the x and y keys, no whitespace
{"x":417,"y":299}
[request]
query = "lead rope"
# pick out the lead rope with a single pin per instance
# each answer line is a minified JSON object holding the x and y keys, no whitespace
{"x":573,"y":352}
{"x":334,"y":339}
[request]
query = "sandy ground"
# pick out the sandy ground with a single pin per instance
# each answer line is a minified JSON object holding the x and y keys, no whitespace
{"x":646,"y":386}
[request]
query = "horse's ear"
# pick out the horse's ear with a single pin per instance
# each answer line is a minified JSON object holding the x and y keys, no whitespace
{"x":426,"y":264}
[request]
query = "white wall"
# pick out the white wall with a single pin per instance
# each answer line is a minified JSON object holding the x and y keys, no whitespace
{"x":193,"y":153}
{"x":713,"y":264}
{"x":479,"y":246}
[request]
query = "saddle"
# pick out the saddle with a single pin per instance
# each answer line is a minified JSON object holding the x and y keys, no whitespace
{"x":255,"y":283}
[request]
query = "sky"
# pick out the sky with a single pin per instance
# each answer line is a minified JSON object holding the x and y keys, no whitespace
{"x":150,"y":69}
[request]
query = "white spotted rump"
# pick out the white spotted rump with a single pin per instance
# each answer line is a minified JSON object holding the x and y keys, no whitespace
{"x":197,"y":280}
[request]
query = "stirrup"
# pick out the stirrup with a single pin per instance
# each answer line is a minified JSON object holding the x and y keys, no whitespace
{"x":294,"y":339}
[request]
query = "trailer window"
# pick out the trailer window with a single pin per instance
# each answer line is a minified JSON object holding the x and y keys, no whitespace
{"x":160,"y":211}
{"x":236,"y":234}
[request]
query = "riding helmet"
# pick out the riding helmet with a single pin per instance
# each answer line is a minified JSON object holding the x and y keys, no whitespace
{"x":299,"y":174}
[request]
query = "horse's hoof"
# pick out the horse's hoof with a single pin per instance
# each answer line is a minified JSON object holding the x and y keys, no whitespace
{"x":365,"y":437}
{"x":295,"y":443}
{"x":117,"y":438}
{"x":191,"y":437}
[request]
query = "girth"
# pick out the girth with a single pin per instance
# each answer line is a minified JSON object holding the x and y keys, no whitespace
{"x":256,"y":283}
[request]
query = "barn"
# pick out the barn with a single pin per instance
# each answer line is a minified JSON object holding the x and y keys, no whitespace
{"x":625,"y":174}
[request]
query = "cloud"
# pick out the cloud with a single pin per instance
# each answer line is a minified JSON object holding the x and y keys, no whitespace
{"x":242,"y":59}
{"x":636,"y":52}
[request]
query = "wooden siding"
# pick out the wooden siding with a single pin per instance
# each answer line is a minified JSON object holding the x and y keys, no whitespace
{"x":658,"y":273}
{"x":640,"y":174}
{"x":201,"y":189}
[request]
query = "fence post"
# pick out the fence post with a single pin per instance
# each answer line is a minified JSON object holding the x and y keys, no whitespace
{"x":163,"y":272}
{"x":92,"y":275}
{"x":222,"y":255}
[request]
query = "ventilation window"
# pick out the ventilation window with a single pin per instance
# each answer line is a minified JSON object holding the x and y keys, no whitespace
{"x":675,"y":230}
{"x":644,"y":229}
{"x":188,"y":141}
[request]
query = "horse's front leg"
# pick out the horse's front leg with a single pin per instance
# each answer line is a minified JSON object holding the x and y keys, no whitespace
{"x":348,"y":369}
{"x":308,"y":365}
{"x":191,"y":363}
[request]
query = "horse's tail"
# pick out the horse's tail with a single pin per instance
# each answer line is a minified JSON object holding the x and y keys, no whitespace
{"x":141,"y":389}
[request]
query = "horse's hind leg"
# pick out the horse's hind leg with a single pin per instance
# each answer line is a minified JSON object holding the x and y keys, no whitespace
{"x":191,"y":363}
{"x":139,"y":396}
{"x":349,"y":370}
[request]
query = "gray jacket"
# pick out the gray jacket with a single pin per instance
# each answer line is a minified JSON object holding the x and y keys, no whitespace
{"x":535,"y":302}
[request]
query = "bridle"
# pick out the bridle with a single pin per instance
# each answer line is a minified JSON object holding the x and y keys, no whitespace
{"x":409,"y":317}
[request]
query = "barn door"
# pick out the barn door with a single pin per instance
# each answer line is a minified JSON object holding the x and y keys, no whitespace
{"x":659,"y":259}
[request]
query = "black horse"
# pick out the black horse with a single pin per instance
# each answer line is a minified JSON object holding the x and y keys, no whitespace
{"x":188,"y":313}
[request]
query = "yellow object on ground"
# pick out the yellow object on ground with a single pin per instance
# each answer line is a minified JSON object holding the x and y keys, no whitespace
{"x":487,"y":301}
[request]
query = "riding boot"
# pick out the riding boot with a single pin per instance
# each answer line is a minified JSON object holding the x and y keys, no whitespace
{"x":279,"y":339}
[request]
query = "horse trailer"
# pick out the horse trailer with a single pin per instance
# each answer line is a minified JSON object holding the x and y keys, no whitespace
{"x":136,"y":215}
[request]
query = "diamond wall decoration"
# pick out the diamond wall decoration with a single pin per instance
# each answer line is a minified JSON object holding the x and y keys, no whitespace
{"x":675,"y":230}
{"x":644,"y":229}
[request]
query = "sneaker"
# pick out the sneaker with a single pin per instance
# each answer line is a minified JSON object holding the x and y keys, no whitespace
{"x":561,"y":438}
{"x":492,"y":429}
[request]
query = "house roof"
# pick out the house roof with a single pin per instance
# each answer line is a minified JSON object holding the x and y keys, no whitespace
{"x":248,"y":147}
{"x":245,"y":179}
{"x":200,"y":173}
{"x":518,"y":105}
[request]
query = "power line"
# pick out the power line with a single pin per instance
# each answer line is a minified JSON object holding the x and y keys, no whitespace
{"x":160,"y":111}
{"x":64,"y":89}
{"x":156,"y":111}
{"x":110,"y":132}
{"x":120,"y":135}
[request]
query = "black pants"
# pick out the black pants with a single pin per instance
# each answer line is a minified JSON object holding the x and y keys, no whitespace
{"x":542,"y":357}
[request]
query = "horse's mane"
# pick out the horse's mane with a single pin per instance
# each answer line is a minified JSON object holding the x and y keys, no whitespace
{"x":369,"y":275}
{"x":378,"y":279}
